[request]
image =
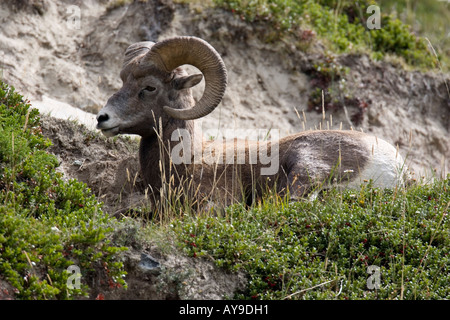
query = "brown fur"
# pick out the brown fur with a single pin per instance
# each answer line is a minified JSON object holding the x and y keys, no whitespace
{"x":305,"y":159}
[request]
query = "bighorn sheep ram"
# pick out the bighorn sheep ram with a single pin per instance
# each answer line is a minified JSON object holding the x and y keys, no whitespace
{"x":156,"y":95}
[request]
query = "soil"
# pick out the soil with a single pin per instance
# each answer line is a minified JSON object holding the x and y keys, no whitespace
{"x":68,"y":74}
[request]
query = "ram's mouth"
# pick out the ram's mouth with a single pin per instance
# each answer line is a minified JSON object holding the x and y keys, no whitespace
{"x":110,"y":132}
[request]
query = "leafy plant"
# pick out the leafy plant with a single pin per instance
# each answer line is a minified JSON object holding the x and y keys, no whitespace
{"x":46,"y":223}
{"x":341,"y":23}
{"x":322,"y":249}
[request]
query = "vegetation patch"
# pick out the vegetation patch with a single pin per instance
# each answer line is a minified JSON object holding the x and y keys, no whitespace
{"x":341,"y":24}
{"x":50,"y":228}
{"x":368,"y":244}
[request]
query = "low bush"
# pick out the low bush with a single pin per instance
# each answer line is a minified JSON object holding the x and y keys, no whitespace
{"x":342,"y":24}
{"x":47,"y":224}
{"x":368,"y":244}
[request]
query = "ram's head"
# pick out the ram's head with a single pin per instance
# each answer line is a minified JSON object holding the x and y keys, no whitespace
{"x":155,"y":88}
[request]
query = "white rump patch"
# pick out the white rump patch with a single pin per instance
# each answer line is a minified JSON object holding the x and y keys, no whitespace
{"x":385,"y":166}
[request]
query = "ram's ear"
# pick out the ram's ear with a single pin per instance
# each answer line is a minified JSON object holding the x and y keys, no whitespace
{"x":186,"y":82}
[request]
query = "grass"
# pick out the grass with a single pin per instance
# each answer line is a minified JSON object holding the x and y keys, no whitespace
{"x":322,"y":249}
{"x":47,"y":224}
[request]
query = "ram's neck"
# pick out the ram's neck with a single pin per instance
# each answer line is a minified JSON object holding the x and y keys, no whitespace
{"x":155,"y":152}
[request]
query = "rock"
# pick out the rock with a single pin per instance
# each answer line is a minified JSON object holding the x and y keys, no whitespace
{"x":148,"y":264}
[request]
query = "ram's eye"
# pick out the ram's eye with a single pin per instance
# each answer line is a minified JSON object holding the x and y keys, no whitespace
{"x":149,"y":89}
{"x":145,"y":91}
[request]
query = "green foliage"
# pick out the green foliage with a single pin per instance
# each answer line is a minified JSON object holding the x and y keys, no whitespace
{"x":46,"y":223}
{"x":395,"y":37}
{"x":340,"y":23}
{"x":428,"y":18}
{"x":321,"y":249}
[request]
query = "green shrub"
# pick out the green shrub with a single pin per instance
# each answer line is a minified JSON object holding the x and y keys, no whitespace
{"x":342,"y":24}
{"x":322,"y":249}
{"x":46,"y":223}
{"x":395,"y":37}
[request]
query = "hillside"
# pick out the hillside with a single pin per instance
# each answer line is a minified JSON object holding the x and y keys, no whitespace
{"x":69,"y":71}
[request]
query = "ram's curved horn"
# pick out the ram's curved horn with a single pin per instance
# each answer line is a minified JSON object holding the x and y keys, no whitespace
{"x":136,"y":50}
{"x":172,"y":53}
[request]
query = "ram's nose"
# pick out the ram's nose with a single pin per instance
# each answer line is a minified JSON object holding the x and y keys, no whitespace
{"x":102,"y":118}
